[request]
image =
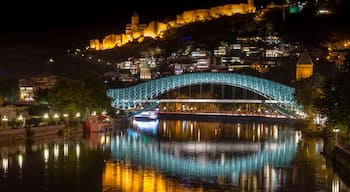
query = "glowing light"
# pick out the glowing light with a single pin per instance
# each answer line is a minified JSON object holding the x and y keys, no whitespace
{"x":55,"y":151}
{"x":148,"y":126}
{"x":199,"y":135}
{"x":77,"y":150}
{"x":324,"y":11}
{"x":335,"y":184}
{"x":20,"y":161}
{"x":5,"y":164}
{"x":46,"y":116}
{"x":20,"y":117}
{"x":222,"y":159}
{"x":46,"y":155}
{"x":65,"y":149}
{"x":275,"y":131}
{"x":147,"y":114}
{"x":4,"y":118}
{"x":56,"y":116}
{"x":102,"y":139}
{"x":107,"y":139}
{"x":238,"y":130}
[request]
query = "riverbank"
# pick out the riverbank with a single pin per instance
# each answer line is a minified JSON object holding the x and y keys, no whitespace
{"x":333,"y":151}
{"x":42,"y":133}
{"x":341,"y":162}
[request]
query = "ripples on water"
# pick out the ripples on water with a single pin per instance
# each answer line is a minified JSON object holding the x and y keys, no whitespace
{"x":171,"y":155}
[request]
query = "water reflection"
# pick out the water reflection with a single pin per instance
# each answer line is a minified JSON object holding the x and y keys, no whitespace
{"x":122,"y":176}
{"x":185,"y":130}
{"x":172,"y":155}
{"x":223,"y":162}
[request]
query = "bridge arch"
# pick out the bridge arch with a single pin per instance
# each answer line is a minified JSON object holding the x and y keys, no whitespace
{"x":131,"y":97}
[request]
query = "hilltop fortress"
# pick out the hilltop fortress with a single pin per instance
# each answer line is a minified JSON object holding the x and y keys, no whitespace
{"x":155,"y":29}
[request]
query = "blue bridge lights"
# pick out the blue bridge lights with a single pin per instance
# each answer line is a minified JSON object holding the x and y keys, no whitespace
{"x":161,"y":155}
{"x":135,"y":96}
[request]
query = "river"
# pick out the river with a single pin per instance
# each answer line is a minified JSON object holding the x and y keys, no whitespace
{"x":171,"y":155}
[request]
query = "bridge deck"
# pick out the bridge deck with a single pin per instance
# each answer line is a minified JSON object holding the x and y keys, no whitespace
{"x":214,"y":101}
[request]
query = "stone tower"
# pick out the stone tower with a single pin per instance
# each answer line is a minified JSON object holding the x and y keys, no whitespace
{"x":251,"y":6}
{"x":250,"y":3}
{"x":304,"y":67}
{"x":134,"y":22}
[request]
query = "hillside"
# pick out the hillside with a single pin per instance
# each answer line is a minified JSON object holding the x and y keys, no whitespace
{"x":201,"y":34}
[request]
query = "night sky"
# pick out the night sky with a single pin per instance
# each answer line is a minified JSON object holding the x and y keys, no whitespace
{"x":33,"y":31}
{"x":78,"y":20}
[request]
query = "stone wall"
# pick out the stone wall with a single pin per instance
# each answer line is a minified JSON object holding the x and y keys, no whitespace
{"x":156,"y":29}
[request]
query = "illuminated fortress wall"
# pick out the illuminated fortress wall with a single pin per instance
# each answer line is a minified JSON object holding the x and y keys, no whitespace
{"x":155,"y":29}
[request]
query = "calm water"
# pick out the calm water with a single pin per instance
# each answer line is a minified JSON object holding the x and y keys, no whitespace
{"x":171,"y":155}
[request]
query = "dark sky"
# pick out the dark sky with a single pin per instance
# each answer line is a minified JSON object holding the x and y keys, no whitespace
{"x":83,"y":19}
{"x":33,"y":31}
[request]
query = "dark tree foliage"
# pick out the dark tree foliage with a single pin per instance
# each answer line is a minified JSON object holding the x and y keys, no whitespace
{"x":67,"y":96}
{"x":95,"y":91}
{"x":85,"y":94}
{"x":307,"y":91}
{"x":335,"y":100}
{"x":41,"y":95}
{"x":9,"y":89}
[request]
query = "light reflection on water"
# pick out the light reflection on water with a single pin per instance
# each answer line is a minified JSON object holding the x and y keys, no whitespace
{"x":172,"y":155}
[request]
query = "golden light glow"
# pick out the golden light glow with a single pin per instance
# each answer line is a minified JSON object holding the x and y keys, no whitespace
{"x":123,"y":177}
{"x":304,"y":71}
{"x":155,"y":29}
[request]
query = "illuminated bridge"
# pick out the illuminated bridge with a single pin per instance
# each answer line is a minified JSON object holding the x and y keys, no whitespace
{"x":141,"y":94}
{"x":137,"y":148}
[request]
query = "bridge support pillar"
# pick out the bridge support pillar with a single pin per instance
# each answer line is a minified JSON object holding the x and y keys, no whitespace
{"x":222,"y":91}
{"x":233,"y":92}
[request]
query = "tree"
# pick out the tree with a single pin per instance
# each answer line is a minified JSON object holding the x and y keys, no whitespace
{"x":88,"y":93}
{"x":95,"y":91}
{"x":2,"y":100}
{"x":334,"y":102}
{"x":328,"y":103}
{"x":41,"y":96}
{"x":67,"y":96}
{"x":307,"y":91}
{"x":9,"y":89}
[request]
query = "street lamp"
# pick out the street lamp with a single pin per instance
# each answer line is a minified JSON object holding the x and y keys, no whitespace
{"x":336,"y":130}
{"x":66,"y":116}
{"x":21,"y":120}
{"x":78,"y":116}
{"x":4,"y":121}
{"x":55,"y":117}
{"x":46,"y":118}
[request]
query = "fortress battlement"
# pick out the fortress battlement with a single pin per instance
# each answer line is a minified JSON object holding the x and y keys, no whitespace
{"x":156,"y":29}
